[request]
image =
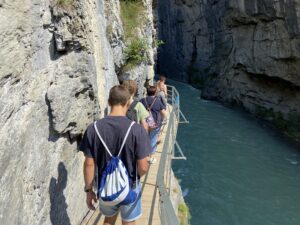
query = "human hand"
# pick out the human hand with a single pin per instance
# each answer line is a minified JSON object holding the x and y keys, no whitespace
{"x":90,"y":198}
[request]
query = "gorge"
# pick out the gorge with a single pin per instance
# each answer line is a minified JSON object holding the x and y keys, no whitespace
{"x":59,"y":58}
{"x":241,"y":52}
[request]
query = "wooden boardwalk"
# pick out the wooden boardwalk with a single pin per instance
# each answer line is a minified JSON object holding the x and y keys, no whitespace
{"x":150,"y":195}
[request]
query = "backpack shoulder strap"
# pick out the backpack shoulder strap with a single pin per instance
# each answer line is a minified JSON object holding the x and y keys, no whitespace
{"x":152,"y":103}
{"x":149,"y":108}
{"x":101,"y":139}
{"x":125,"y":138}
{"x":133,"y":104}
{"x":145,"y":99}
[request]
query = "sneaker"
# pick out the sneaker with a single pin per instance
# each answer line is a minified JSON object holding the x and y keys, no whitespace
{"x":164,"y":122}
{"x":152,"y":160}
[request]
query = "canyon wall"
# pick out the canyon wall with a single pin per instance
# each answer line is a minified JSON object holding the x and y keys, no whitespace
{"x":242,"y":52}
{"x":59,"y":59}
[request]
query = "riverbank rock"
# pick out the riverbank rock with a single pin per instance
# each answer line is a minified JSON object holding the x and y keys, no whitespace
{"x":240,"y":52}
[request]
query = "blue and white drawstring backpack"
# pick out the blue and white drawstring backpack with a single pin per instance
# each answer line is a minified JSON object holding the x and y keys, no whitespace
{"x":115,"y":184}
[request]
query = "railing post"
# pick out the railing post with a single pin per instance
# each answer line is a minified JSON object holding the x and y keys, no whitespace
{"x":173,"y":96}
{"x":170,"y":156}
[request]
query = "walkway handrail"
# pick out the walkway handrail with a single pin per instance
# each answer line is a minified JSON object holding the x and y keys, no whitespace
{"x":167,"y":212}
{"x":174,"y":100}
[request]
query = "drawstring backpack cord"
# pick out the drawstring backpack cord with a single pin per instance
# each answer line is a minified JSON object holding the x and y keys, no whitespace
{"x":106,"y":148}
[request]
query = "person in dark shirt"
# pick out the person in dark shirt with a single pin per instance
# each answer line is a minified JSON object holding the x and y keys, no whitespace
{"x":134,"y":155}
{"x":162,"y":90}
{"x":158,"y":111}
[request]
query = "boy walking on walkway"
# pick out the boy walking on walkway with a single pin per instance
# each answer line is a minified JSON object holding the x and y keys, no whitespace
{"x":136,"y":112}
{"x":162,"y":89}
{"x":157,"y":110}
{"x":113,"y":129}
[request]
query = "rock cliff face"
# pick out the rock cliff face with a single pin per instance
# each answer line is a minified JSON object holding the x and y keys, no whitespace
{"x":58,"y":63}
{"x":244,"y":52}
{"x":144,"y":73}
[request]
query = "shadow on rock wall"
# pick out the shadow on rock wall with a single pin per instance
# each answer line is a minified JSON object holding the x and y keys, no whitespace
{"x":58,"y":210}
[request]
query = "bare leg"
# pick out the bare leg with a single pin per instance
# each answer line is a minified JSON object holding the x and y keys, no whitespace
{"x":110,"y":220}
{"x":159,"y":139}
{"x":128,"y":223}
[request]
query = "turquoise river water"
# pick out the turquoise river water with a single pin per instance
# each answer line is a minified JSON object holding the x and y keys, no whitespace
{"x":239,"y":171}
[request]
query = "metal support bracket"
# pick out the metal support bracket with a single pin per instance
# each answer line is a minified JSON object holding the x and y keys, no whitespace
{"x":183,"y":117}
{"x":182,"y":156}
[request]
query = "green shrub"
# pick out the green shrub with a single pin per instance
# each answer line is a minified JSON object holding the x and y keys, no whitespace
{"x":157,"y":43}
{"x":183,"y":214}
{"x":65,"y":3}
{"x":132,"y":16}
{"x":135,"y":53}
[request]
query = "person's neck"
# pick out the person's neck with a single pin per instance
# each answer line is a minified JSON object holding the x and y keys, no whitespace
{"x":118,"y":110}
{"x":131,"y":100}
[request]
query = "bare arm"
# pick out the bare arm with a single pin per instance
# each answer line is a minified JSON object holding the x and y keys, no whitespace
{"x":163,"y":113}
{"x":142,"y":166}
{"x":144,"y":124}
{"x":165,"y":90}
{"x":88,"y":172}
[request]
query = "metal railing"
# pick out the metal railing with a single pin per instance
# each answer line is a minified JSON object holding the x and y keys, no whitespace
{"x":167,"y":212}
{"x":174,"y":101}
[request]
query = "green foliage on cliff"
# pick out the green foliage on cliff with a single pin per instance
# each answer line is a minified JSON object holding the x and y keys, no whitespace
{"x":135,"y":53}
{"x":183,"y":214}
{"x":132,"y":16}
{"x":157,"y":43}
{"x":65,"y":3}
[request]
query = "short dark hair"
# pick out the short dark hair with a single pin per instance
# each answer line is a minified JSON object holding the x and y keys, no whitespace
{"x":162,"y":77}
{"x":118,"y":95}
{"x":151,"y":90}
{"x":131,"y":86}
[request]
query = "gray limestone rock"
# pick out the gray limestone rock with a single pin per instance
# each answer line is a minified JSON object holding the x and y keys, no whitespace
{"x":241,"y":52}
{"x":115,"y":33}
{"x":57,"y":67}
{"x":143,"y":73}
{"x":77,"y":99}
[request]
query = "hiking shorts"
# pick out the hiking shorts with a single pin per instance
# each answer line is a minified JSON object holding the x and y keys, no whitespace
{"x":129,"y":212}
